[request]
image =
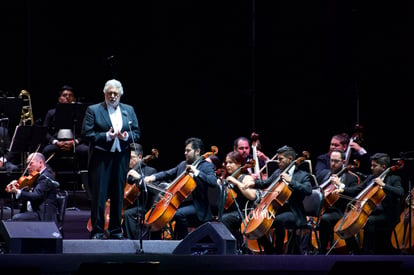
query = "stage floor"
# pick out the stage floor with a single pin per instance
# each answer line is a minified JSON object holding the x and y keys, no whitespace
{"x":80,"y":255}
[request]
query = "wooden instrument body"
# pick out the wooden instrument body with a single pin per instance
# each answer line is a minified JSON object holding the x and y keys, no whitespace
{"x":357,"y":217}
{"x":404,"y":230}
{"x":260,"y":219}
{"x":165,"y":208}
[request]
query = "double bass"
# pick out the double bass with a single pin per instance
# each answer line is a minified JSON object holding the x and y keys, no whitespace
{"x":131,"y":192}
{"x":260,"y":219}
{"x":363,"y":205}
{"x":176,"y":192}
{"x":255,"y":138}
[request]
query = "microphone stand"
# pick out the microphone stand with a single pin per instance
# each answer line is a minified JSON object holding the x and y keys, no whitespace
{"x":140,"y":216}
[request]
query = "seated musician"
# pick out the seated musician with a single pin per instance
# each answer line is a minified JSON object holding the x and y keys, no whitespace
{"x":37,"y":191}
{"x":292,"y":211}
{"x":332,"y":214}
{"x":234,"y":179}
{"x":243,"y":146}
{"x":199,"y":211}
{"x":132,"y":223}
{"x":386,"y":215}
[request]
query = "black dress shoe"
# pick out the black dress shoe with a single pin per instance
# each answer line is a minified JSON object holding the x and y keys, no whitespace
{"x":117,"y":237}
{"x":97,"y":237}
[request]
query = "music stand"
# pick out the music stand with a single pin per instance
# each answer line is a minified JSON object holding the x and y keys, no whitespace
{"x":11,"y":108}
{"x":27,"y":138}
{"x":70,"y":116}
{"x":10,"y":113}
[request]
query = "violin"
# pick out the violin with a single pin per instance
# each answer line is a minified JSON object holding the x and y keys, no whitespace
{"x":27,"y":181}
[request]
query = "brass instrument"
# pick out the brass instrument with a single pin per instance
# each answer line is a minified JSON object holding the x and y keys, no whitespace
{"x":26,"y":117}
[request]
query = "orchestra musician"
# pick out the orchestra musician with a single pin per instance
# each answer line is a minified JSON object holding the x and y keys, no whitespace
{"x":292,"y":212}
{"x":234,"y":179}
{"x":243,"y":146}
{"x":36,"y":191}
{"x":332,"y":214}
{"x":199,"y":210}
{"x":386,"y":215}
{"x":344,"y":142}
{"x":134,"y":212}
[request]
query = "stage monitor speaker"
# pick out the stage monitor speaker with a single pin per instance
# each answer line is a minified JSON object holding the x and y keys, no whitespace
{"x":30,"y":237}
{"x":209,"y":238}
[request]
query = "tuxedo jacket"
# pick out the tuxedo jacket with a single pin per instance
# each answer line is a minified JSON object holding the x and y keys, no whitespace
{"x":97,"y":122}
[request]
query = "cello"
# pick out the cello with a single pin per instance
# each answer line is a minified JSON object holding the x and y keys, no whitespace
{"x":369,"y":198}
{"x":404,"y":230}
{"x":260,"y":219}
{"x":328,"y":187}
{"x":131,"y":192}
{"x":231,"y":195}
{"x":176,"y":192}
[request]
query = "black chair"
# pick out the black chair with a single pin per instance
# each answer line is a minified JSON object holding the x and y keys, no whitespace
{"x":301,"y":243}
{"x":62,"y":199}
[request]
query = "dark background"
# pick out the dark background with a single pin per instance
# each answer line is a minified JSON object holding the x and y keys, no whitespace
{"x":295,"y":72}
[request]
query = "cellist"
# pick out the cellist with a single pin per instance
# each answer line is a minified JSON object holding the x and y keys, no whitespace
{"x":199,"y":211}
{"x":333,"y":213}
{"x":386,"y":215}
{"x":234,"y":178}
{"x":292,"y":212}
{"x":131,"y":220}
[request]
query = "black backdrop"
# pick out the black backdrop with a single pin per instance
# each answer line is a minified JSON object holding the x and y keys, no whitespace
{"x":296,"y":72}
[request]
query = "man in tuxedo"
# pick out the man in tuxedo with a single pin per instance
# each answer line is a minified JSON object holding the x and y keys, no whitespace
{"x":110,"y":127}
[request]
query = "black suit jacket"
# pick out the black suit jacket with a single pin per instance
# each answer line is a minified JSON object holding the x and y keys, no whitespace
{"x":97,"y":122}
{"x":42,"y":198}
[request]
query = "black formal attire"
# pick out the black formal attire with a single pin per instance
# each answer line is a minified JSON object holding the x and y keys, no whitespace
{"x":199,"y":211}
{"x":42,"y":198}
{"x":332,"y":214}
{"x":292,"y":212}
{"x":132,"y":224}
{"x":323,"y":164}
{"x":233,"y":216}
{"x":81,"y":149}
{"x":383,"y":219}
{"x":108,"y":168}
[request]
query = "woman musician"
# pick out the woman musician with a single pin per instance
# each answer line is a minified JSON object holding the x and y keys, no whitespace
{"x":385,"y":216}
{"x":292,"y":211}
{"x":235,"y":177}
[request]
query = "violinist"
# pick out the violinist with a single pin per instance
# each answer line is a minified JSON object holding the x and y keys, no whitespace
{"x":292,"y":212}
{"x":234,"y":178}
{"x":386,"y":215}
{"x":37,"y":191}
{"x":144,"y":201}
{"x":199,"y":210}
{"x":332,"y":214}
